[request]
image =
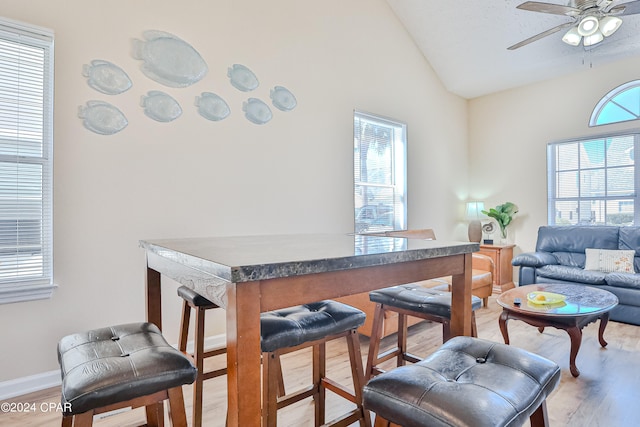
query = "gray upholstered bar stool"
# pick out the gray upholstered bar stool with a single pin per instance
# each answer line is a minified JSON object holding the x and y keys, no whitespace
{"x":409,"y":300}
{"x":129,"y":365}
{"x":195,"y":301}
{"x":467,"y":382}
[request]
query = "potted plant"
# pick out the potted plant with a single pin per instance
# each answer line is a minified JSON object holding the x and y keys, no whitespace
{"x":503,"y":214}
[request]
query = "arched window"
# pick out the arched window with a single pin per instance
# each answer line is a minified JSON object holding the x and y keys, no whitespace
{"x":620,"y":105}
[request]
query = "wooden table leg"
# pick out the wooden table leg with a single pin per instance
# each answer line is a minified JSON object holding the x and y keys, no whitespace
{"x":504,"y":317}
{"x":243,"y":354}
{"x":153,"y":296}
{"x":461,"y":300}
{"x":604,"y":319}
{"x":575,"y":334}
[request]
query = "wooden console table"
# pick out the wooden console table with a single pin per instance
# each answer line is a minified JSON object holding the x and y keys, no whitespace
{"x":501,"y":256}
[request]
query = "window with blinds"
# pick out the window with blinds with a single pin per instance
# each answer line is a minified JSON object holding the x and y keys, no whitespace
{"x":593,"y":181}
{"x":380,"y":173}
{"x":26,"y":136}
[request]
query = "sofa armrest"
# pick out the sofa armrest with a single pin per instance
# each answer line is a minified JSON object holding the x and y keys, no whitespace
{"x":534,"y":259}
{"x":482,"y":262}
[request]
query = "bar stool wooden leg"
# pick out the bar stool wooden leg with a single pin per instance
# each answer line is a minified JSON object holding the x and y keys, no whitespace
{"x":320,"y":370}
{"x":155,"y":414}
{"x":402,"y":338}
{"x":374,"y":343}
{"x":194,"y":301}
{"x":177,"y":412}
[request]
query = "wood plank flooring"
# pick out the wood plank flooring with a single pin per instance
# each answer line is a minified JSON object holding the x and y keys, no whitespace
{"x":606,"y":394}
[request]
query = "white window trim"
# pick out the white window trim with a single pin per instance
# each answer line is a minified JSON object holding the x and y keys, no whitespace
{"x":609,"y":98}
{"x":551,"y":181}
{"x":17,"y":292}
{"x":401,"y":183}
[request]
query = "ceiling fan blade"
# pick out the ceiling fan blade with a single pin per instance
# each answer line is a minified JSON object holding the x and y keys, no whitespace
{"x":541,"y":35}
{"x":555,"y":9}
{"x":630,"y":8}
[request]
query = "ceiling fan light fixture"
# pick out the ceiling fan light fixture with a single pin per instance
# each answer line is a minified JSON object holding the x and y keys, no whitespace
{"x":594,"y":38}
{"x":588,"y":26}
{"x":572,"y":37}
{"x":609,"y":25}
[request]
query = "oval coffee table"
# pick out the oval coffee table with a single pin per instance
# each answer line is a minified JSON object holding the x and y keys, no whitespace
{"x":583,"y":305}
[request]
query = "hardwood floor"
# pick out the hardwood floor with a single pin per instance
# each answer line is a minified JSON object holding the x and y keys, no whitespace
{"x":607,"y":393}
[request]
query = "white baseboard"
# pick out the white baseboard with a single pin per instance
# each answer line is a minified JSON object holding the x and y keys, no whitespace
{"x":25,"y":385}
{"x":37,"y":382}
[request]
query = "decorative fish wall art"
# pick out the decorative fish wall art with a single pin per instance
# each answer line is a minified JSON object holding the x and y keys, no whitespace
{"x":174,"y":63}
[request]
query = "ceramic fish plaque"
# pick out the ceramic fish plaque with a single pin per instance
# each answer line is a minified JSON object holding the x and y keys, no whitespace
{"x":282,"y":99}
{"x":242,"y":78}
{"x":256,"y":111}
{"x":212,"y":107}
{"x":160,"y":107}
{"x":102,"y":118}
{"x":106,"y":77}
{"x":169,"y":60}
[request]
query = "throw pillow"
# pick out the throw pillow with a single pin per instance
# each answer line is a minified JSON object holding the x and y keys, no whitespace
{"x":608,"y":261}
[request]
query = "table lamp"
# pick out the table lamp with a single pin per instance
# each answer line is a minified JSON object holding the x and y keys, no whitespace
{"x":474,"y":213}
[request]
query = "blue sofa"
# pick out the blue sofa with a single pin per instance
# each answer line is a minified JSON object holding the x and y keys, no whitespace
{"x":560,"y":258}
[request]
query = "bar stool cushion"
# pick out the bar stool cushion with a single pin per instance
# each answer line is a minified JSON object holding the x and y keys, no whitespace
{"x":293,"y":326}
{"x":466,"y":382}
{"x":118,"y":363}
{"x":194,"y":298}
{"x":419,"y":299}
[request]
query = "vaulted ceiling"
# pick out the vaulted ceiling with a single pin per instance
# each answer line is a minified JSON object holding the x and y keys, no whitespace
{"x":466,"y":42}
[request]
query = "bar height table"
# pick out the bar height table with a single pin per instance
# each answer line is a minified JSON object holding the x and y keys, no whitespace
{"x":248,"y":275}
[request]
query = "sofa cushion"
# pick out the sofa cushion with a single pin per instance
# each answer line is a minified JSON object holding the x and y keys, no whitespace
{"x":609,"y":260}
{"x":572,"y":274}
{"x":572,"y":259}
{"x":576,"y":238}
{"x":623,"y":280}
{"x":630,"y":239}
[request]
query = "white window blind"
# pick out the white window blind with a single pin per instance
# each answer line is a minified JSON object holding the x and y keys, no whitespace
{"x":594,"y":181}
{"x":26,"y":136}
{"x":380,"y":173}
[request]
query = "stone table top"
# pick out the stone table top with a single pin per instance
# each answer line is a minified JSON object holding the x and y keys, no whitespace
{"x":250,"y":258}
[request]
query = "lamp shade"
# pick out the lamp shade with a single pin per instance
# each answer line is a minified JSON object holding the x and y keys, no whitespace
{"x":609,"y":25}
{"x":594,"y":38}
{"x":572,"y":37}
{"x":474,"y":210}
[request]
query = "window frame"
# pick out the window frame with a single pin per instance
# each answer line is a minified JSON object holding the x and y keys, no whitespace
{"x":610,"y":98}
{"x":552,"y":184}
{"x":38,"y":285}
{"x":399,"y":172}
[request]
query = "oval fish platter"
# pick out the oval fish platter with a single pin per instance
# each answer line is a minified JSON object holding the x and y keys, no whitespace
{"x":160,"y":107}
{"x":106,"y":77}
{"x":102,"y":118}
{"x":212,"y":107}
{"x":169,"y":60}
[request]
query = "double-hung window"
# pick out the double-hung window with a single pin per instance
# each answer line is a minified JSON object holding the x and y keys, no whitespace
{"x":380,"y":173}
{"x":26,"y":137}
{"x":594,"y":181}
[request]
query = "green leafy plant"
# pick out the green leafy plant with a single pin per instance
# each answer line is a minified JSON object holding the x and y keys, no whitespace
{"x":503,"y":214}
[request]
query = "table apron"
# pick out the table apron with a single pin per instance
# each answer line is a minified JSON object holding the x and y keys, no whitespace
{"x":556,"y":322}
{"x":308,"y":288}
{"x":314,"y":287}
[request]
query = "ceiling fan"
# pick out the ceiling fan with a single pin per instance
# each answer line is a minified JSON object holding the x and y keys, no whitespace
{"x":592,"y":20}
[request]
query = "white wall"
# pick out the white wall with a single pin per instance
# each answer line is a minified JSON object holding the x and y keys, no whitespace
{"x":192,"y":177}
{"x":509,"y":132}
